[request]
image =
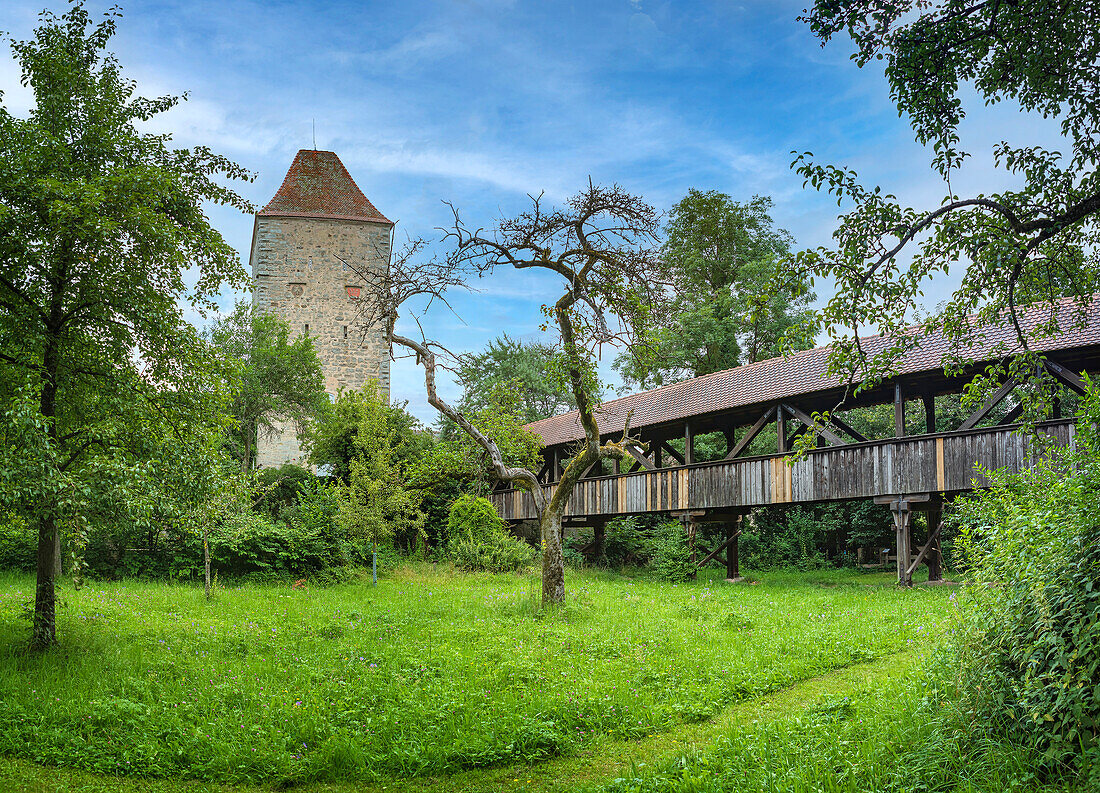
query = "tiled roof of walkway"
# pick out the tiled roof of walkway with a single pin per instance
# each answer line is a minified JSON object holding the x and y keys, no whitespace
{"x":805,"y":373}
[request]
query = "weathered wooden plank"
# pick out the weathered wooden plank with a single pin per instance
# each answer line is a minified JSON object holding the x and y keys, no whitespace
{"x":940,"y":463}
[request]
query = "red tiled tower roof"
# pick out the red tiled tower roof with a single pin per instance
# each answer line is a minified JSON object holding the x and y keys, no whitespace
{"x":319,"y":186}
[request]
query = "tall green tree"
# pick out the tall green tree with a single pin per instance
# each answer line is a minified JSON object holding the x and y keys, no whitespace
{"x":525,"y":366}
{"x":277,"y":379}
{"x":721,"y":258}
{"x":375,"y":505}
{"x":106,"y":387}
{"x":334,"y":439}
{"x":1035,"y":241}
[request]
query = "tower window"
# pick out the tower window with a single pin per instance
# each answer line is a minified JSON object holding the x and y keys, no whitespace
{"x":307,"y":329}
{"x":345,"y":331}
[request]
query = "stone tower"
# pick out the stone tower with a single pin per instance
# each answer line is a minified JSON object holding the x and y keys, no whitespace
{"x":302,"y":242}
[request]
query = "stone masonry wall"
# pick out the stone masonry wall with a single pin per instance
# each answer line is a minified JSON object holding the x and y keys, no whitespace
{"x":297,"y":274}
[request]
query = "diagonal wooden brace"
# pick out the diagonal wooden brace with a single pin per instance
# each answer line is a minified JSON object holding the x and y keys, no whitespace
{"x":754,"y":430}
{"x":714,"y":554}
{"x":827,"y":433}
{"x":924,"y":551}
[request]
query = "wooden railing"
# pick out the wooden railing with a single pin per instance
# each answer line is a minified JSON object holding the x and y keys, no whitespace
{"x":936,"y":463}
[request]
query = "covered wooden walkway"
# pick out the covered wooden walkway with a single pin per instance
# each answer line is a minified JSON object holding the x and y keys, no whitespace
{"x":922,"y":464}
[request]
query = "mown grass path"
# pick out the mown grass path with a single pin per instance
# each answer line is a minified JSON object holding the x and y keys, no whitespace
{"x":599,"y":762}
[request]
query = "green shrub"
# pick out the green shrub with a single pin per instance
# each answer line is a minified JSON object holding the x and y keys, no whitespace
{"x":671,"y":556}
{"x":497,"y":554}
{"x":473,"y":518}
{"x":476,"y":539}
{"x":1030,"y":623}
{"x":18,"y":545}
{"x":248,"y":544}
{"x":278,"y":488}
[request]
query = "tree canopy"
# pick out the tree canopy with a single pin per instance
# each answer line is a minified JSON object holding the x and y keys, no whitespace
{"x":1034,"y":242}
{"x":721,"y":259}
{"x":523,"y":364}
{"x":275,"y":379}
{"x":334,"y":437}
{"x":110,"y":396}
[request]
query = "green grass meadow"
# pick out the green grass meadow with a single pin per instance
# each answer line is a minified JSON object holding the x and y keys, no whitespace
{"x":429,"y":673}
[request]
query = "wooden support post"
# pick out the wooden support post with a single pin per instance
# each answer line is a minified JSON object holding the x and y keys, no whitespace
{"x":657,"y":462}
{"x":675,"y":455}
{"x":781,"y":429}
{"x":899,"y":412}
{"x":1056,"y":409}
{"x":616,"y":467}
{"x":733,"y":531}
{"x":557,"y":465}
{"x":902,"y":516}
{"x":689,"y":444}
{"x":929,"y":413}
{"x":598,"y":539}
{"x":731,"y":439}
{"x":934,"y":557}
{"x":689,"y":530}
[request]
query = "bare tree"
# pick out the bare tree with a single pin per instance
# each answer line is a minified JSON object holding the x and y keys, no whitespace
{"x":602,"y":244}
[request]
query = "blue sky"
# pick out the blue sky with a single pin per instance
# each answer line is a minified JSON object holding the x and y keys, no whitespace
{"x":480,"y":103}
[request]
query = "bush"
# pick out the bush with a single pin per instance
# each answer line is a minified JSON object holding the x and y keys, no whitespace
{"x":248,"y":544}
{"x":18,"y":545}
{"x":476,"y":539}
{"x":498,"y":554}
{"x":473,"y":519}
{"x":279,"y":487}
{"x":1030,"y":624}
{"x":671,"y":556}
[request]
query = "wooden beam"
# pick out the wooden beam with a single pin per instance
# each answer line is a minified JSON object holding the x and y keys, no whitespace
{"x":707,"y":516}
{"x":1067,"y":376}
{"x":929,"y":413}
{"x":899,"y":412}
{"x":781,"y":429}
{"x":754,"y":430}
{"x":911,"y":498}
{"x":902,"y":521}
{"x":714,"y":554}
{"x":675,"y":455}
{"x":828,"y":434}
{"x":733,"y":572}
{"x":843,"y":426}
{"x":923,"y":551}
{"x":643,"y":461}
{"x":1012,"y":415}
{"x":689,"y":444}
{"x":990,"y":403}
